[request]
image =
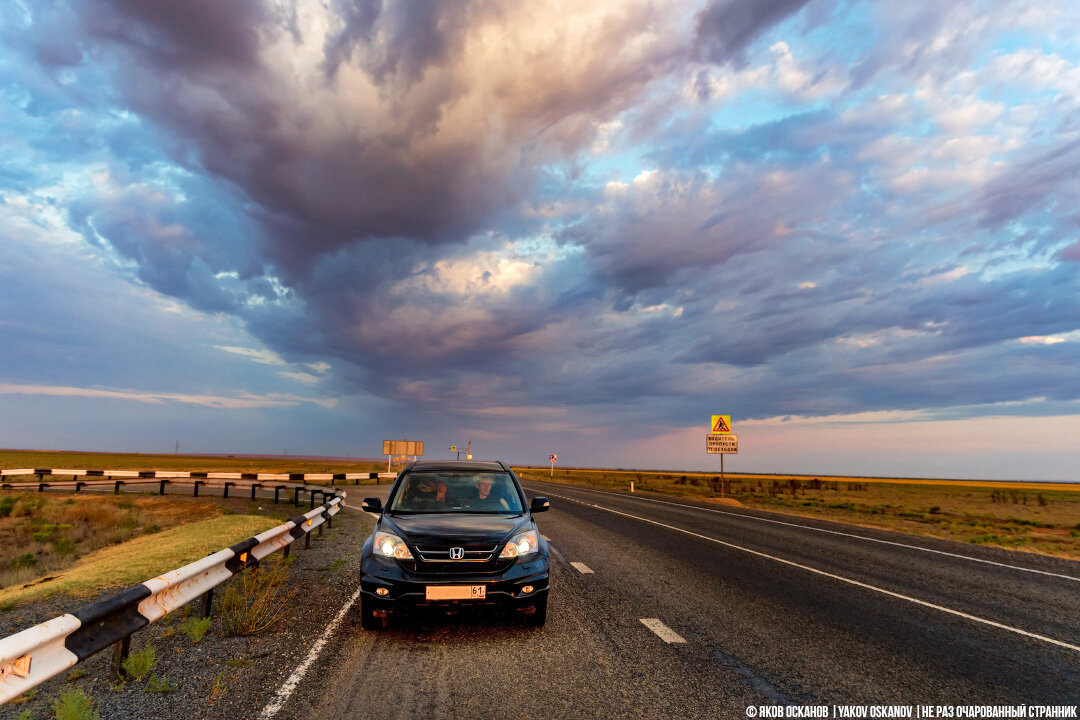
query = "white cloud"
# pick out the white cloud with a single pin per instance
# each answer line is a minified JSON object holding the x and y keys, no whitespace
{"x":241,"y":401}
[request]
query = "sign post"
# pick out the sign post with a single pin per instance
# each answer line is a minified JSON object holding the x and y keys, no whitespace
{"x":401,"y":447}
{"x":553,"y":458}
{"x":720,"y":440}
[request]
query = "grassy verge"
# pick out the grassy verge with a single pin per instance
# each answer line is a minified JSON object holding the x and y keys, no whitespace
{"x":141,"y":558}
{"x":1035,"y":517}
{"x":43,"y":533}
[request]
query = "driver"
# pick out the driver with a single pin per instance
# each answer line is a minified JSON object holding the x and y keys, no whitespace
{"x":486,"y":495}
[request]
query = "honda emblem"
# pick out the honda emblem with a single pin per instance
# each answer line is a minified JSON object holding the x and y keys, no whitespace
{"x":457,"y":553}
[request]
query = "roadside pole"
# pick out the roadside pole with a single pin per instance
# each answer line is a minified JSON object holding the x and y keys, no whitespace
{"x":721,"y":441}
{"x":553,"y":457}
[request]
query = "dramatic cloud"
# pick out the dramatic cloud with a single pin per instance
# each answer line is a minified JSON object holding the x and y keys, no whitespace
{"x":556,"y":216}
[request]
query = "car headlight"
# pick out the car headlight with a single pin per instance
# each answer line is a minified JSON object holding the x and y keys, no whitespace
{"x":526,"y":543}
{"x":389,"y":545}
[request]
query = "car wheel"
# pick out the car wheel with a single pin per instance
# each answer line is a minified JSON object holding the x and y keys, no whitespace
{"x":368,"y":619}
{"x":539,"y":615}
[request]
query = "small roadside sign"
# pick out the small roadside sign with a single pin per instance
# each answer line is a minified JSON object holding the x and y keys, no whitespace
{"x":722,"y":444}
{"x":453,"y":448}
{"x":720,"y":425}
{"x":553,"y":457}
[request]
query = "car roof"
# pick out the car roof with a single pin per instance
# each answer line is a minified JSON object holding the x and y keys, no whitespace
{"x":449,"y":465}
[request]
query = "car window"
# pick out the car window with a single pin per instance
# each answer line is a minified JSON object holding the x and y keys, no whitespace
{"x":471,"y":492}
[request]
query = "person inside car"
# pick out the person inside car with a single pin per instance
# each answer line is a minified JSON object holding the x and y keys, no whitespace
{"x":488,"y":497}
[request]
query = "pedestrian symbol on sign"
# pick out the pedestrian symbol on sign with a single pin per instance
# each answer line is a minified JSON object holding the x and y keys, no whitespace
{"x":721,"y":424}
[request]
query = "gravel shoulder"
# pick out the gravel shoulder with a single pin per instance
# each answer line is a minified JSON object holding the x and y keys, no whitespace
{"x":218,"y":677}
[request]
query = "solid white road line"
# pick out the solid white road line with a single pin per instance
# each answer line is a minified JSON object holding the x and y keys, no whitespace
{"x":286,"y":690}
{"x":841,"y":578}
{"x":582,"y":568}
{"x":834,"y":532}
{"x":666,"y":634}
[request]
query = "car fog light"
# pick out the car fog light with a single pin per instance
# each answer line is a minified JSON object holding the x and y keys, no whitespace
{"x":382,"y":591}
{"x":526,"y":590}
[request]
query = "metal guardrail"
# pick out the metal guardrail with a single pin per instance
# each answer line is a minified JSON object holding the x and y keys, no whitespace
{"x":32,"y":656}
{"x":197,"y":475}
{"x":295,"y":482}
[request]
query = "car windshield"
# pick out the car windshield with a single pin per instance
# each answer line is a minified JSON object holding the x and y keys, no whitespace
{"x":457,"y":492}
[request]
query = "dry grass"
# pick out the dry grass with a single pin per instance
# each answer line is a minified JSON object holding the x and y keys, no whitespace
{"x":253,"y":601}
{"x":41,"y":534}
{"x":141,"y":558}
{"x":1035,"y":517}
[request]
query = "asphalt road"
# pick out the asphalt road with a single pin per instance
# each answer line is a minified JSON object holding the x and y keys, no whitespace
{"x":771,"y":610}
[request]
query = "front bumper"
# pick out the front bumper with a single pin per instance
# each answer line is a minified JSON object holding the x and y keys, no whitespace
{"x":406,"y":591}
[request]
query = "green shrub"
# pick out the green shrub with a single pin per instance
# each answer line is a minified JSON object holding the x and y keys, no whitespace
{"x":25,"y":560}
{"x":162,"y":685}
{"x":139,"y":664}
{"x":64,"y":546}
{"x":195,"y":628}
{"x":6,"y":504}
{"x":151,"y":529}
{"x":74,"y":705}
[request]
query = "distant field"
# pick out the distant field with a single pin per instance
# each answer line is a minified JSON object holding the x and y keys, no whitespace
{"x":1030,"y":516}
{"x":132,"y":461}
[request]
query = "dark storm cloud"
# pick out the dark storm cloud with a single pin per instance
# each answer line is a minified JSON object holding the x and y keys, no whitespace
{"x":726,"y":27}
{"x":358,"y":195}
{"x":398,"y":39}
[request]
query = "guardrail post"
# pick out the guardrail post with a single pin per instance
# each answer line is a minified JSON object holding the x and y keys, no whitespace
{"x":226,"y":494}
{"x":120,"y":654}
{"x":197,"y":484}
{"x":116,"y":487}
{"x":285,"y":550}
{"x":161,"y":487}
{"x":78,"y":486}
{"x":277,"y":490}
{"x":307,"y":540}
{"x":296,"y":496}
{"x":207,"y":603}
{"x":41,"y":486}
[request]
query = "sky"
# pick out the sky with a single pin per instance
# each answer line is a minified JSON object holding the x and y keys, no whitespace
{"x":285,"y":225}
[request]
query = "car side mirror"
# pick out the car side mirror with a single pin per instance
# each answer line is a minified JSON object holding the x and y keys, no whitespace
{"x":371,"y":505}
{"x":539,"y":504}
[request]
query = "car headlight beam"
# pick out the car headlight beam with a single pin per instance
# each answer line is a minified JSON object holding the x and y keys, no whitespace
{"x":390,"y":546}
{"x":522,"y":544}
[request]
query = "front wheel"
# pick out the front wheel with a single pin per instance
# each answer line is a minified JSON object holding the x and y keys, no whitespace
{"x":367,"y":617}
{"x":539,"y":615}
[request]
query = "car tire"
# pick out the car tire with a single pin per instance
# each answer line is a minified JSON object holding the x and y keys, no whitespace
{"x":367,"y":617}
{"x":539,"y":615}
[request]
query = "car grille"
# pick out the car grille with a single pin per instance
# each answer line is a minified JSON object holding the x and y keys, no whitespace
{"x":479,"y":559}
{"x":441,"y":553}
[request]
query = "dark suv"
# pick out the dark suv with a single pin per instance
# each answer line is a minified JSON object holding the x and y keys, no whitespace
{"x":452,"y":534}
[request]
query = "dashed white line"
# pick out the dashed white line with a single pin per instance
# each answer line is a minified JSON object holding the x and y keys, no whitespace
{"x":582,"y":568}
{"x":663,"y":631}
{"x":834,"y":532}
{"x":883,"y":591}
{"x":286,"y":690}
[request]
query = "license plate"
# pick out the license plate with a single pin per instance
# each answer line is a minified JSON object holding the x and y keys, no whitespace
{"x":456,"y":592}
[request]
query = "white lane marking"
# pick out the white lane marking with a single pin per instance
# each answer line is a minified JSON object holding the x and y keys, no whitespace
{"x":666,"y":634}
{"x":835,"y":532}
{"x":841,"y":578}
{"x":582,"y":568}
{"x":286,"y":690}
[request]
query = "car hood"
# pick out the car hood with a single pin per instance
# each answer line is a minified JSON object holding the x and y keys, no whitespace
{"x":455,"y":527}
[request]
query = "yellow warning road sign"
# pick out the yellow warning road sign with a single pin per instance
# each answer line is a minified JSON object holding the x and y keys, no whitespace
{"x":720,"y":425}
